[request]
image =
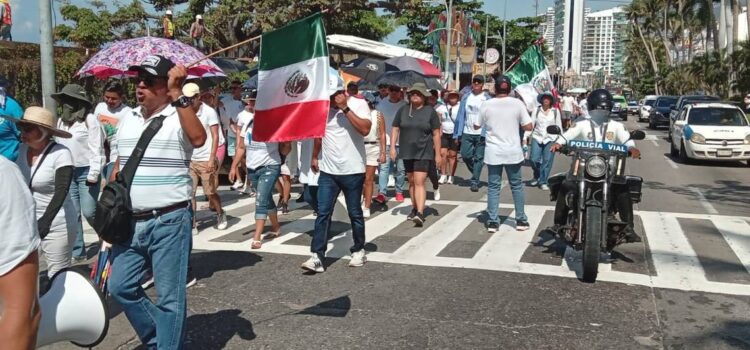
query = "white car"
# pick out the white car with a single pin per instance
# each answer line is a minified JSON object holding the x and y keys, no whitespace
{"x":646,"y":105}
{"x":711,"y":131}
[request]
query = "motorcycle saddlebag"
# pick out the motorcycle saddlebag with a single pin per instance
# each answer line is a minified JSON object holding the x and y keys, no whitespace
{"x":634,"y":184}
{"x":555,"y":182}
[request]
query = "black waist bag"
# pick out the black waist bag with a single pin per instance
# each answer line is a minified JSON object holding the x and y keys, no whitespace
{"x":114,"y":212}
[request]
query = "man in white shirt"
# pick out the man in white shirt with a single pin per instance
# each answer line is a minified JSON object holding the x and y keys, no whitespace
{"x":502,"y":116}
{"x":389,"y":107}
{"x":19,"y":260}
{"x":203,"y":164}
{"x":233,"y":106}
{"x":340,"y":159}
{"x":109,"y":113}
{"x":472,"y":140}
{"x":567,"y":103}
{"x":246,"y":117}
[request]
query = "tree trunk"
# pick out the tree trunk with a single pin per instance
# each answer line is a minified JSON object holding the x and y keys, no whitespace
{"x":736,"y":23}
{"x":652,"y":58}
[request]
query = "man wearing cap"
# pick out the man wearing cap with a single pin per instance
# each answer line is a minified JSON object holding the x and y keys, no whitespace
{"x":499,"y":116}
{"x":160,"y":196}
{"x":167,"y":25}
{"x":472,"y":140}
{"x":9,"y":108}
{"x":382,"y":93}
{"x":233,"y":105}
{"x":246,"y":117}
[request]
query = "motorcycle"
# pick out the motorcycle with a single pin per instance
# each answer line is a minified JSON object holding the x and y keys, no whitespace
{"x":596,"y":174}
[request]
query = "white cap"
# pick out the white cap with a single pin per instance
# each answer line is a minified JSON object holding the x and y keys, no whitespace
{"x":191,"y":90}
{"x":198,"y":17}
{"x":169,"y":12}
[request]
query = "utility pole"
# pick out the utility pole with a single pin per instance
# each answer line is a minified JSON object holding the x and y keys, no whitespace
{"x":46,"y":52}
{"x":505,"y":32}
{"x":449,"y":36}
{"x":486,"y":37}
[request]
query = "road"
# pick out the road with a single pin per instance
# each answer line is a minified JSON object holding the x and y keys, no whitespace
{"x":452,"y":285}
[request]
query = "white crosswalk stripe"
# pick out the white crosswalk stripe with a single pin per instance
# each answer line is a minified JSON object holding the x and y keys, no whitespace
{"x":674,"y":258}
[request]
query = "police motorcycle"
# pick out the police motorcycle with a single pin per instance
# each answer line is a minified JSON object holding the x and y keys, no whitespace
{"x":595,"y":178}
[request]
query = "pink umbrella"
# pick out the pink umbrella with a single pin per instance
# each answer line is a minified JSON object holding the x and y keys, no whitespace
{"x":114,"y":60}
{"x":420,"y":66}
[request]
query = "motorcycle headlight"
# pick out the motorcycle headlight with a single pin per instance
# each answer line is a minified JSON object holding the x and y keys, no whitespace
{"x":596,"y":166}
{"x":697,"y":138}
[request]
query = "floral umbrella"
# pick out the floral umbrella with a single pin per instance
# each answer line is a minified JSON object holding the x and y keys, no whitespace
{"x":114,"y":60}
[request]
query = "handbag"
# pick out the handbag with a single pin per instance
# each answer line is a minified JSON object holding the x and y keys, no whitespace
{"x":114,"y":212}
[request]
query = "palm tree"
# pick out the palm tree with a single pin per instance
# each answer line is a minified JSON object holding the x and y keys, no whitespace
{"x":640,"y":19}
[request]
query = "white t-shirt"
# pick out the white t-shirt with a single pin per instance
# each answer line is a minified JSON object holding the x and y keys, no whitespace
{"x":258,"y":154}
{"x":389,"y":110}
{"x":109,"y":118}
{"x":567,"y":103}
{"x":612,"y":132}
{"x":502,"y":117}
{"x":43,"y":185}
{"x":19,"y":236}
{"x":86,"y":145}
{"x":233,"y":108}
{"x":473,"y":106}
{"x":584,"y":107}
{"x":245,"y":117}
{"x":541,"y":121}
{"x":208,"y":118}
{"x":448,"y":115}
{"x":343,"y":150}
{"x":305,"y":151}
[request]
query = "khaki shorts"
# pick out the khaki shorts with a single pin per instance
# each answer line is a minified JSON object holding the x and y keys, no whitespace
{"x":209,"y":177}
{"x":372,"y":151}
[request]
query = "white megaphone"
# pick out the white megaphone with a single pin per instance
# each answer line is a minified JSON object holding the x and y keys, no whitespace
{"x":72,"y":310}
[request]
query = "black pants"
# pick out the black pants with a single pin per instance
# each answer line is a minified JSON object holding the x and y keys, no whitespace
{"x":622,"y":202}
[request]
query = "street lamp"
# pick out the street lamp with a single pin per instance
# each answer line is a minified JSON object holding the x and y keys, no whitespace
{"x":448,"y":24}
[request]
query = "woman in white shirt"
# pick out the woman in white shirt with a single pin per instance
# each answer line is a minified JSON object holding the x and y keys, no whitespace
{"x":47,"y":167}
{"x":87,"y":148}
{"x":541,"y":157}
{"x":448,"y":145}
{"x":374,"y":153}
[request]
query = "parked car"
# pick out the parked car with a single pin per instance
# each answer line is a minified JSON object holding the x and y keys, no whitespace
{"x":681,"y":102}
{"x":659,"y":113}
{"x":619,"y":107}
{"x":646,"y":105}
{"x":711,"y":131}
{"x":633,"y":107}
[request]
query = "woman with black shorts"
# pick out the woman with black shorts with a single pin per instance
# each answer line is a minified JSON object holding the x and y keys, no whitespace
{"x":448,"y":145}
{"x":416,"y":129}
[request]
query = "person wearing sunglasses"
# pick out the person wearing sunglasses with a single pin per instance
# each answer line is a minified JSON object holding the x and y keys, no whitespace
{"x":87,"y":147}
{"x":160,"y":197}
{"x":473,"y":141}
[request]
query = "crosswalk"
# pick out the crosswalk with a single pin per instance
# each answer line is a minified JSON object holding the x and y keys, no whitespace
{"x":692,"y":252}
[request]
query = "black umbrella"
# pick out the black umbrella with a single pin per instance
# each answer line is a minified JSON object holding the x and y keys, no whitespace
{"x":369,"y":69}
{"x":229,"y":65}
{"x":405,"y":79}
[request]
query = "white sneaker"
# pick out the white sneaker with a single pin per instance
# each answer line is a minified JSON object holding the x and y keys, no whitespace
{"x":221,"y":221}
{"x":437,"y":195}
{"x":313,"y":264}
{"x":544,"y":187}
{"x":366,"y":212}
{"x":391,"y":181}
{"x":450,"y":180}
{"x":237,"y":185}
{"x":358,"y":259}
{"x":442,"y":179}
{"x":534,"y":183}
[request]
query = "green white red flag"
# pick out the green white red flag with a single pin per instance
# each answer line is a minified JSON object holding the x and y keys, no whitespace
{"x":293,"y":97}
{"x":530,"y":76}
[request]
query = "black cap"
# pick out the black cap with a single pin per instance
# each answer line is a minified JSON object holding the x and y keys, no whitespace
{"x":154,"y":65}
{"x":479,"y":78}
{"x":503,"y":84}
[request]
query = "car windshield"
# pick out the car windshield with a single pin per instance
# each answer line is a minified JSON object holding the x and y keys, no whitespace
{"x":649,"y":102}
{"x":665,"y":102}
{"x":632,"y":103}
{"x":717,"y":117}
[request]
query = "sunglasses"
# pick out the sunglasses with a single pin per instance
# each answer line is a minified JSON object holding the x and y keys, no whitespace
{"x":149,"y":81}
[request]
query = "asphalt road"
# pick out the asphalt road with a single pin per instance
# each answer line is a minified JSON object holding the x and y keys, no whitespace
{"x":452,"y":285}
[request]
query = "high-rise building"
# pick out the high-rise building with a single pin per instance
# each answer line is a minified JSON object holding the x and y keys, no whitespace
{"x":547,"y":28}
{"x":570,"y":17}
{"x":604,"y":41}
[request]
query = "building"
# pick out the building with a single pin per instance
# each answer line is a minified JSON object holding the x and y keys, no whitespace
{"x":547,"y":29}
{"x":570,"y":17}
{"x":604,"y":42}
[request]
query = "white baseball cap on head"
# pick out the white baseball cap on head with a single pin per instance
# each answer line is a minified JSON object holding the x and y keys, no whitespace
{"x":169,"y":12}
{"x":198,"y":17}
{"x":191,"y":90}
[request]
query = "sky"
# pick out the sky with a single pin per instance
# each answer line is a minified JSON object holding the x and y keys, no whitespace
{"x":26,"y":14}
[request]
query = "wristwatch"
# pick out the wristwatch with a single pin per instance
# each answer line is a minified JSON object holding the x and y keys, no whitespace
{"x":181,"y":102}
{"x":346,"y":110}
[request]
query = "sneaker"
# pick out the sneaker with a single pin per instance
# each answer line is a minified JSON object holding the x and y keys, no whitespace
{"x":315,"y":213}
{"x":313,"y":264}
{"x":148,"y":282}
{"x":380,"y":198}
{"x":418,"y":220}
{"x":399,"y":197}
{"x":391,"y":181}
{"x":522,"y":225}
{"x":474,"y":188}
{"x":191,"y":280}
{"x":442,"y":179}
{"x":533,"y":183}
{"x":544,"y":187}
{"x":358,"y":259}
{"x":221,"y":221}
{"x":412,"y":214}
{"x":492,"y":227}
{"x":437,"y":195}
{"x":237,"y":185}
{"x":450,"y":180}
{"x":366,"y":212}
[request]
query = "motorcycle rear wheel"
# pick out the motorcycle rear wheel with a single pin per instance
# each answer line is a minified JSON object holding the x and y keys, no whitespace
{"x":592,"y":243}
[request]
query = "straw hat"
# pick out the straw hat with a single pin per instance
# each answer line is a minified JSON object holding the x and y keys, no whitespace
{"x":41,"y":117}
{"x":452,"y":92}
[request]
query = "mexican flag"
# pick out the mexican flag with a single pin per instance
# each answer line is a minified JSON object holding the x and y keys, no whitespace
{"x":531,"y":77}
{"x":293,"y":96}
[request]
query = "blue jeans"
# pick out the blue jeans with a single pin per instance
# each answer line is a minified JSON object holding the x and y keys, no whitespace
{"x":310,"y":194}
{"x":263,"y":181}
{"x":162,"y":244}
{"x":541,"y":160}
{"x":84,"y":199}
{"x":385,"y":170}
{"x":513,"y":172}
{"x":329,"y":187}
{"x":472,"y":152}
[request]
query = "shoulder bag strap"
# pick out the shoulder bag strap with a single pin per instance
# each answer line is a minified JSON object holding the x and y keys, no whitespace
{"x":128,"y":171}
{"x":41,"y":161}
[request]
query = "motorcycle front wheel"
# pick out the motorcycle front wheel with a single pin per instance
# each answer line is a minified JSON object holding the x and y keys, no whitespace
{"x":592,"y":243}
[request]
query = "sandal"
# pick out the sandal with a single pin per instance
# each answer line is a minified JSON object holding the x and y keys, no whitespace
{"x":271,"y":235}
{"x":255,"y":244}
